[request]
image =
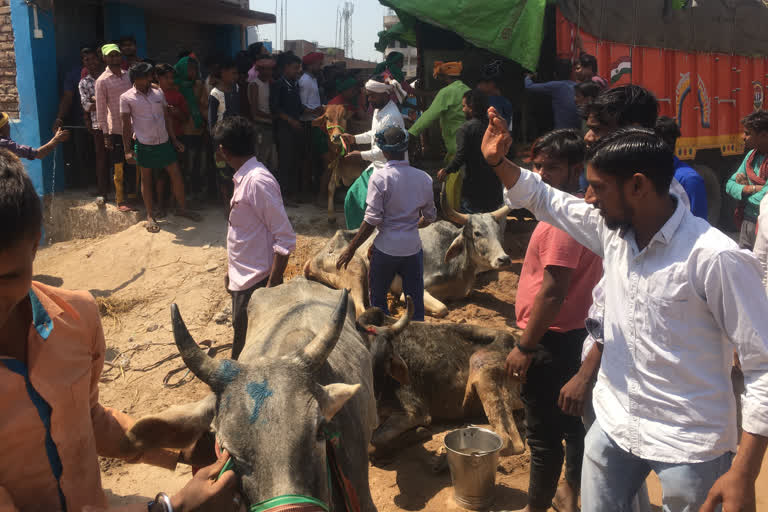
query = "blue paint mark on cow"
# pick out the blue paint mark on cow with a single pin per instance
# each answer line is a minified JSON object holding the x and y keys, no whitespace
{"x":226,"y":372}
{"x":259,"y":392}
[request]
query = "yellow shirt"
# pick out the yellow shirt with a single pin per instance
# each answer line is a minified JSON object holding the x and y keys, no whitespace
{"x":52,"y":426}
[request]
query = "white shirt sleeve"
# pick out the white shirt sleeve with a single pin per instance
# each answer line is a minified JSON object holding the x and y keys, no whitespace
{"x":761,"y":242}
{"x":561,"y":209}
{"x":729,"y":288}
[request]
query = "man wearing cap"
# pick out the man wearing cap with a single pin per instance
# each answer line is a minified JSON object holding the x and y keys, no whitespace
{"x":399,"y":202}
{"x":27,"y":152}
{"x":386,"y":114}
{"x":447,"y":108}
{"x":112,"y":83}
{"x":258,"y":98}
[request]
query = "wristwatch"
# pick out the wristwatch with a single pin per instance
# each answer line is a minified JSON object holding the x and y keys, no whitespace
{"x":161,"y":503}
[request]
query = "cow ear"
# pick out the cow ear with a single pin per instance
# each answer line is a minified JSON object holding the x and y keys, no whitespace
{"x":333,"y":397}
{"x":178,"y":427}
{"x":319,"y":122}
{"x":398,"y":370}
{"x":456,"y":248}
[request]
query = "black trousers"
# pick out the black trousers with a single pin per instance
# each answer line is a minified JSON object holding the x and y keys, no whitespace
{"x":290,"y":154}
{"x":557,"y":359}
{"x":240,"y":300}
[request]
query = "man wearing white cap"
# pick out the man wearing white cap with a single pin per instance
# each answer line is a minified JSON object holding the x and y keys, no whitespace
{"x":386,"y":114}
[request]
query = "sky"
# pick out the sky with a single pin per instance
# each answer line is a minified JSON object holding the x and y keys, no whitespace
{"x":315,"y":20}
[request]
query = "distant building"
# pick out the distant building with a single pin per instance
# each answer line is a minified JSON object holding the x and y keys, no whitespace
{"x":38,"y":49}
{"x":410,"y":52}
{"x":301,"y":47}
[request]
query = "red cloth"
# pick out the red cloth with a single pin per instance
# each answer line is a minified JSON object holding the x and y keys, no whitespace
{"x":312,"y":57}
{"x":550,"y":246}
{"x":761,"y":175}
{"x":341,"y":100}
{"x":176,"y":99}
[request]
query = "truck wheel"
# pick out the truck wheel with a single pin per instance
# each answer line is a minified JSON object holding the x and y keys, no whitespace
{"x":714,"y":197}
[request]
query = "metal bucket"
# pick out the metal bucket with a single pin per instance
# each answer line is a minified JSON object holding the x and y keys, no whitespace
{"x":473,"y":455}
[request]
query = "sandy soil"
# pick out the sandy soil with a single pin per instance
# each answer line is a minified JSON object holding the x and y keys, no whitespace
{"x":136,"y":276}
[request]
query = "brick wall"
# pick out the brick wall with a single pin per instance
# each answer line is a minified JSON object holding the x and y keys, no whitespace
{"x":9,"y":96}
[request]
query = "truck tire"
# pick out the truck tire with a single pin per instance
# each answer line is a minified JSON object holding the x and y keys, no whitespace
{"x":714,"y":197}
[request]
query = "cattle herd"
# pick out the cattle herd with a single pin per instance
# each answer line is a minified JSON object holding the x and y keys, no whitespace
{"x":318,"y":365}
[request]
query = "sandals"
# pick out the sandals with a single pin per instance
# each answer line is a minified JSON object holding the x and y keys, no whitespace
{"x":152,"y":226}
{"x":126,"y":208}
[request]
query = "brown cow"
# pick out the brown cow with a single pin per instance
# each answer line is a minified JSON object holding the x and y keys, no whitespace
{"x":335,"y":121}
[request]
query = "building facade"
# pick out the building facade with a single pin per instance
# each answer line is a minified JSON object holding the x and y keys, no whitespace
{"x":40,"y":44}
{"x":301,"y":47}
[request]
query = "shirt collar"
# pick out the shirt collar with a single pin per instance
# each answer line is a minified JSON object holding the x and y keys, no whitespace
{"x":397,"y":163}
{"x":245,"y":169}
{"x":664,"y":235}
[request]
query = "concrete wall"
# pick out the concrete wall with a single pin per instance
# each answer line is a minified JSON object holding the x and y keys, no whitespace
{"x":9,"y":95}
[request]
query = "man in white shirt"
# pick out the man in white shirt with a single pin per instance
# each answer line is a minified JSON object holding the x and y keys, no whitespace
{"x":386,"y":114}
{"x":761,"y":241}
{"x":674,"y":310}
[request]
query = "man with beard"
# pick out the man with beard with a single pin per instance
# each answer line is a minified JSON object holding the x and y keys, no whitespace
{"x":663,"y":399}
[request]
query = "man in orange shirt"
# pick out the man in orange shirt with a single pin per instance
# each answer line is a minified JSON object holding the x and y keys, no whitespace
{"x":52,"y":426}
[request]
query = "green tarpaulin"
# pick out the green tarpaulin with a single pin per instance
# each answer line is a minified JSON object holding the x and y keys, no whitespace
{"x":509,"y":28}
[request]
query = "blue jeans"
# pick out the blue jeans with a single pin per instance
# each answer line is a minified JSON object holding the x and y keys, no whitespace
{"x":382,"y":272}
{"x":610,"y":477}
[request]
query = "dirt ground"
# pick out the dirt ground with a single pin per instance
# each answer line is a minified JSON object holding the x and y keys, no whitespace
{"x":135,"y":276}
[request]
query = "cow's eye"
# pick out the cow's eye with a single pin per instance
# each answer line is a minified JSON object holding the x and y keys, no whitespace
{"x":478,"y":234}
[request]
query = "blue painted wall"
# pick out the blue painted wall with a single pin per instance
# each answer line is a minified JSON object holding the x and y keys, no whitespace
{"x":124,"y":19}
{"x":38,"y":93}
{"x":228,"y":40}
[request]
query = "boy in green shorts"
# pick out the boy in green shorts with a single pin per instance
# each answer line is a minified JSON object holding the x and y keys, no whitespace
{"x":149,"y":139}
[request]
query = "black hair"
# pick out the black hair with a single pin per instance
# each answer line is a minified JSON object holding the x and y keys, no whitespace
{"x":164,"y":69}
{"x":588,"y":61}
{"x":126,"y":38}
{"x":563,"y":69}
{"x":492,"y":72}
{"x":667,"y":129}
{"x":87,"y":51}
{"x":563,"y":144}
{"x":478,"y":102}
{"x":236,"y":134}
{"x":222,"y":65}
{"x":291,"y":59}
{"x":254,"y":50}
{"x":756,"y":121}
{"x":588,"y":89}
{"x":182,"y":54}
{"x":631,"y":151}
{"x":243,"y":61}
{"x":140,"y":70}
{"x":21,"y":212}
{"x":628,"y":104}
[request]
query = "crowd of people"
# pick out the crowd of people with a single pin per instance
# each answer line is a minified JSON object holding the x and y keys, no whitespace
{"x":634,"y":310}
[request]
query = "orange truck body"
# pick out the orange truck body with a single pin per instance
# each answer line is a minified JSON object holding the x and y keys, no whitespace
{"x":707,"y":93}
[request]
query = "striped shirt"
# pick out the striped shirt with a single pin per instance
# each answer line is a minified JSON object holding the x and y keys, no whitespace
{"x":109,"y":88}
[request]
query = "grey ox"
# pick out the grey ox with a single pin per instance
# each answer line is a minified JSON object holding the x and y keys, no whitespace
{"x":453,"y":257}
{"x":444,"y":372}
{"x":305,"y":374}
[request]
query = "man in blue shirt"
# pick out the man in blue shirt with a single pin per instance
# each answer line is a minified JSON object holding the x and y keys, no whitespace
{"x":692,"y":182}
{"x":489,"y":85}
{"x":566,"y":113}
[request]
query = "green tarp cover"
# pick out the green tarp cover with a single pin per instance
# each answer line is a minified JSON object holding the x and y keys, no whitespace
{"x":509,"y":28}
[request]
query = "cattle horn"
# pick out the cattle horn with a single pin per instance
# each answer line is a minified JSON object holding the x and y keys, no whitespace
{"x":318,"y":350}
{"x":201,"y":364}
{"x":501,"y":213}
{"x":404,"y":320}
{"x":449,"y":213}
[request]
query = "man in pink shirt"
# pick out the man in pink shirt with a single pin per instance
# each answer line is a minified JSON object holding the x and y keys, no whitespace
{"x":112,"y":83}
{"x":146,"y":119}
{"x":553,"y":299}
{"x":260,"y":237}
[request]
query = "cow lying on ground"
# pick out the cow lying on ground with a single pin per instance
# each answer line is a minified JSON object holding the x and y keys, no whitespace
{"x":304,"y":375}
{"x":455,"y":371}
{"x":335,"y":121}
{"x":453,"y":257}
